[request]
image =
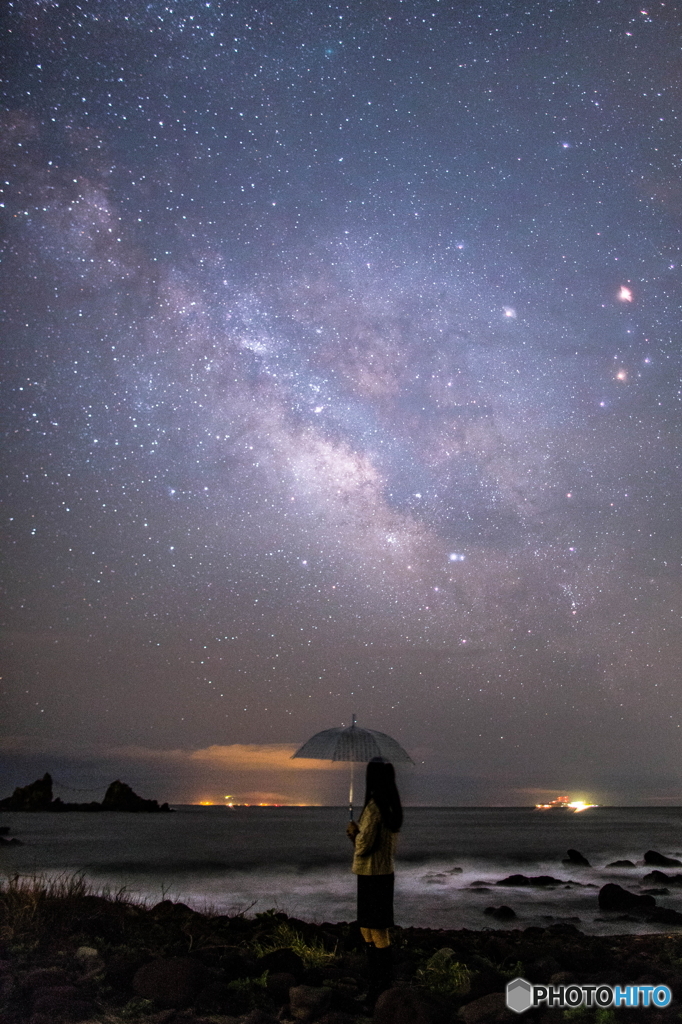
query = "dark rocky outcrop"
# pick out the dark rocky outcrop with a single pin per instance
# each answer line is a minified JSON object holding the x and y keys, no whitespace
{"x":660,"y":861}
{"x":614,"y":897}
{"x":38,"y":797}
{"x":576,"y":859}
{"x":120,"y":797}
{"x":621,"y":864}
{"x":503,"y":913}
{"x":661,"y":877}
{"x":522,"y":880}
{"x":35,"y":797}
{"x":665,"y":915}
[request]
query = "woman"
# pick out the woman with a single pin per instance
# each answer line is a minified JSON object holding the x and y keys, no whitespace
{"x":374,"y":838}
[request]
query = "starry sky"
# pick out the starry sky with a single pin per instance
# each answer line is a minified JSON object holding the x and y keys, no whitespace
{"x":341,"y":373}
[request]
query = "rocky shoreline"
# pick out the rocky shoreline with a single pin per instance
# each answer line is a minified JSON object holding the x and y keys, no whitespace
{"x":119,"y":797}
{"x":67,"y":954}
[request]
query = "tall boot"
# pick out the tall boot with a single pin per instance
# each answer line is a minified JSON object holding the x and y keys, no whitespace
{"x":380,"y":963}
{"x":384,"y":966}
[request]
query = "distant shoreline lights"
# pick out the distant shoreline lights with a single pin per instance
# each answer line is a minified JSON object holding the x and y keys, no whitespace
{"x":564,"y":803}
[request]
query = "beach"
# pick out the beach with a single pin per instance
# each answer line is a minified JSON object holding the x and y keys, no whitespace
{"x":67,"y":954}
{"x":217,"y":915}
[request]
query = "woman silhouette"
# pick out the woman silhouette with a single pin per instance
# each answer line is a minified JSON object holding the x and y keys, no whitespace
{"x":374,"y":838}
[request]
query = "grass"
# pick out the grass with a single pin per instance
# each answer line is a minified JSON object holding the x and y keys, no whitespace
{"x":444,"y":975}
{"x":312,"y":953}
{"x":34,"y":908}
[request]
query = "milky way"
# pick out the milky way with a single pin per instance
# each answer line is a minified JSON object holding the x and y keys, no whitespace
{"x":342,"y":374}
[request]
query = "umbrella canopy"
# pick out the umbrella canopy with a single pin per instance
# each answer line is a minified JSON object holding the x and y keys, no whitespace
{"x":353,"y":744}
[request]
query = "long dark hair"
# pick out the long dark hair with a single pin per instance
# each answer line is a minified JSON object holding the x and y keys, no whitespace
{"x":381,"y":787}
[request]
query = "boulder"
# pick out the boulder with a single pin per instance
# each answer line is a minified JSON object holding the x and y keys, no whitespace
{"x":45,"y":977}
{"x":308,"y":1002}
{"x":502,"y":913}
{"x":278,"y":985}
{"x":490,"y":1009}
{"x":664,"y":915}
{"x":407,"y":1006}
{"x":621,"y":864}
{"x":614,"y":897}
{"x":519,"y":880}
{"x":576,"y":859}
{"x":170,"y":982}
{"x":661,"y":877}
{"x":282,"y":960}
{"x":216,"y":997}
{"x":87,"y":955}
{"x":121,"y":968}
{"x":659,"y":861}
{"x":258,"y":1016}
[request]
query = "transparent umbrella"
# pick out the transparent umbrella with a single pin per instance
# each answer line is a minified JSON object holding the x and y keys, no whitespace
{"x":353,"y":744}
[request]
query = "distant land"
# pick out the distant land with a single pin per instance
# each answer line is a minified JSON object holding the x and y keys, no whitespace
{"x":119,"y":797}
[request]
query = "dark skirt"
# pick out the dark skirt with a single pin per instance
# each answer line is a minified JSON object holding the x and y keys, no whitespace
{"x":375,"y":901}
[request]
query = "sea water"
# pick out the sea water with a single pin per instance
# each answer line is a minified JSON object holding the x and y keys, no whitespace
{"x":297,"y":860}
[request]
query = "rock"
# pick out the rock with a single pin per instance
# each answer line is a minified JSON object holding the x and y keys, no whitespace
{"x":337,"y":1017}
{"x":62,"y":1002}
{"x":502,"y":913}
{"x":562,"y":978}
{"x":38,"y":797}
{"x":540,"y":971}
{"x":86,"y":955}
{"x":489,"y":1009}
{"x":53,"y":994}
{"x":45,"y":977}
{"x":520,"y":880}
{"x":278,"y":985}
{"x":576,"y":859}
{"x":35,"y":797}
{"x":122,"y":968}
{"x":664,"y":915}
{"x":172,"y":982}
{"x":10,"y":842}
{"x":614,"y":897}
{"x":279,"y":960}
{"x":216,"y":997}
{"x":659,"y":861}
{"x":621,"y":864}
{"x":120,"y":797}
{"x":5,"y":830}
{"x":259,"y":1017}
{"x":660,"y":876}
{"x":407,"y":1006}
{"x":307,"y":1002}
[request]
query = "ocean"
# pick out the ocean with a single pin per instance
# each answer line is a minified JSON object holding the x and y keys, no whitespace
{"x":297,"y":860}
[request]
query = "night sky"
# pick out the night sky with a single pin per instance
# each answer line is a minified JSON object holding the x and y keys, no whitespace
{"x":341,"y":373}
